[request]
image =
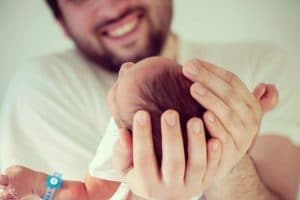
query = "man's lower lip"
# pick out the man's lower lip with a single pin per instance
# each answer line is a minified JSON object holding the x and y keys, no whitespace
{"x":127,"y":35}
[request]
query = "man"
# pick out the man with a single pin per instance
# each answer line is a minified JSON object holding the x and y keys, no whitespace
{"x":55,"y":109}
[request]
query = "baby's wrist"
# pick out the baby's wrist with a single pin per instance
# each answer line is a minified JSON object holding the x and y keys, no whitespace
{"x":53,"y":183}
{"x":40,"y":184}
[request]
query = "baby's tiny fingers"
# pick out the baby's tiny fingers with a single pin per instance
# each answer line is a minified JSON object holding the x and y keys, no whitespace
{"x":270,"y":98}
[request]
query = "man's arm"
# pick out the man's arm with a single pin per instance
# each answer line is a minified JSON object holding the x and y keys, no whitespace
{"x":277,"y":161}
{"x":272,"y":173}
{"x":242,"y":182}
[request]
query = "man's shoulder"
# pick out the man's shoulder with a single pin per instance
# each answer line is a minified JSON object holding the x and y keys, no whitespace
{"x":52,"y":68}
{"x":225,"y":50}
{"x":58,"y":61}
{"x":241,"y":58}
{"x":46,"y":75}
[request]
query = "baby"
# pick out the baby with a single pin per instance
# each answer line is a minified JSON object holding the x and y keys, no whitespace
{"x":154,"y":84}
{"x":157,"y":84}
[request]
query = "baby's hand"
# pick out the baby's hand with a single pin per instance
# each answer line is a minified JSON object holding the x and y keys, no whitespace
{"x":267,"y":95}
{"x":19,"y":182}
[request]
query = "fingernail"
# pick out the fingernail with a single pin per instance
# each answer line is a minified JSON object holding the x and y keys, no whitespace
{"x":171,"y":118}
{"x":200,"y":89}
{"x":193,"y":69}
{"x":196,"y":127}
{"x":210,"y":117}
{"x":141,"y":117}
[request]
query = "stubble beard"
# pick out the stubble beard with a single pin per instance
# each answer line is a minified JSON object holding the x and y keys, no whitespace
{"x":111,"y":62}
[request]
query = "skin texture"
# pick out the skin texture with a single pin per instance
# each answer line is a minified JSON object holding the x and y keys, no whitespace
{"x":87,"y":21}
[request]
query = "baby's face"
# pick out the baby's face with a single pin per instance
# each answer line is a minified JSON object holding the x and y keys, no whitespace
{"x":124,"y":95}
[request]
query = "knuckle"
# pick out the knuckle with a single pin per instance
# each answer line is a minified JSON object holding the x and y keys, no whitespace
{"x":229,"y":76}
{"x":230,"y":96}
{"x":233,"y":79}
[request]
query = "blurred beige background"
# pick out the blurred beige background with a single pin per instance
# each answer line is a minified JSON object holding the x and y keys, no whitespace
{"x":28,"y":29}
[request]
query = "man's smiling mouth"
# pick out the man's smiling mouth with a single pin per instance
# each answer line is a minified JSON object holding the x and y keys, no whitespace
{"x":123,"y":27}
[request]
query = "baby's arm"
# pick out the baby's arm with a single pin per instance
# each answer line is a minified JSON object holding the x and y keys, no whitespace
{"x":27,"y":182}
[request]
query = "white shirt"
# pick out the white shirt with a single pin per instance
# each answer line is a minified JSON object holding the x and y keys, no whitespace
{"x":254,"y":64}
{"x":55,"y":114}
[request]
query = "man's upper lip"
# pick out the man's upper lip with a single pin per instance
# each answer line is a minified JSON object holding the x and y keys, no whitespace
{"x":116,"y":23}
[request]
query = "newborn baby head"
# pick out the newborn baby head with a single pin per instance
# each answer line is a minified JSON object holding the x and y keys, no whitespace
{"x":154,"y":84}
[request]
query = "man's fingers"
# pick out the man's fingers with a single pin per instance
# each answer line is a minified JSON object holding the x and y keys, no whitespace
{"x":216,"y":129}
{"x":228,"y":145}
{"x":227,"y":116}
{"x":214,"y":156}
{"x":173,"y":159}
{"x":4,"y":181}
{"x":144,"y":159}
{"x":196,"y":162}
{"x":199,"y":71}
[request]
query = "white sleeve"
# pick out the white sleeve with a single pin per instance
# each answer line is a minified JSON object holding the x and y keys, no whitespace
{"x":102,"y":166}
{"x":46,"y":123}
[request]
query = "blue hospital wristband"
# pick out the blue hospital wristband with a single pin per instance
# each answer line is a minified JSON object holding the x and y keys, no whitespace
{"x":53,"y":183}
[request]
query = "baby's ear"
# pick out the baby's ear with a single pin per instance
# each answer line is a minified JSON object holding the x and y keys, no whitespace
{"x":267,"y":96}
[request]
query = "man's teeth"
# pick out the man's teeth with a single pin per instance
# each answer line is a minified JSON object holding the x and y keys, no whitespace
{"x":123,"y":30}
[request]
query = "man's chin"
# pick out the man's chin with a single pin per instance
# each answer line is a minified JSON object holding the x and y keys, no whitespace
{"x":112,"y":60}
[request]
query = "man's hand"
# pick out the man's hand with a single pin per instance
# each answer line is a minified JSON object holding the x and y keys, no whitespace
{"x":233,"y":119}
{"x":176,"y":179}
{"x":233,"y":116}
